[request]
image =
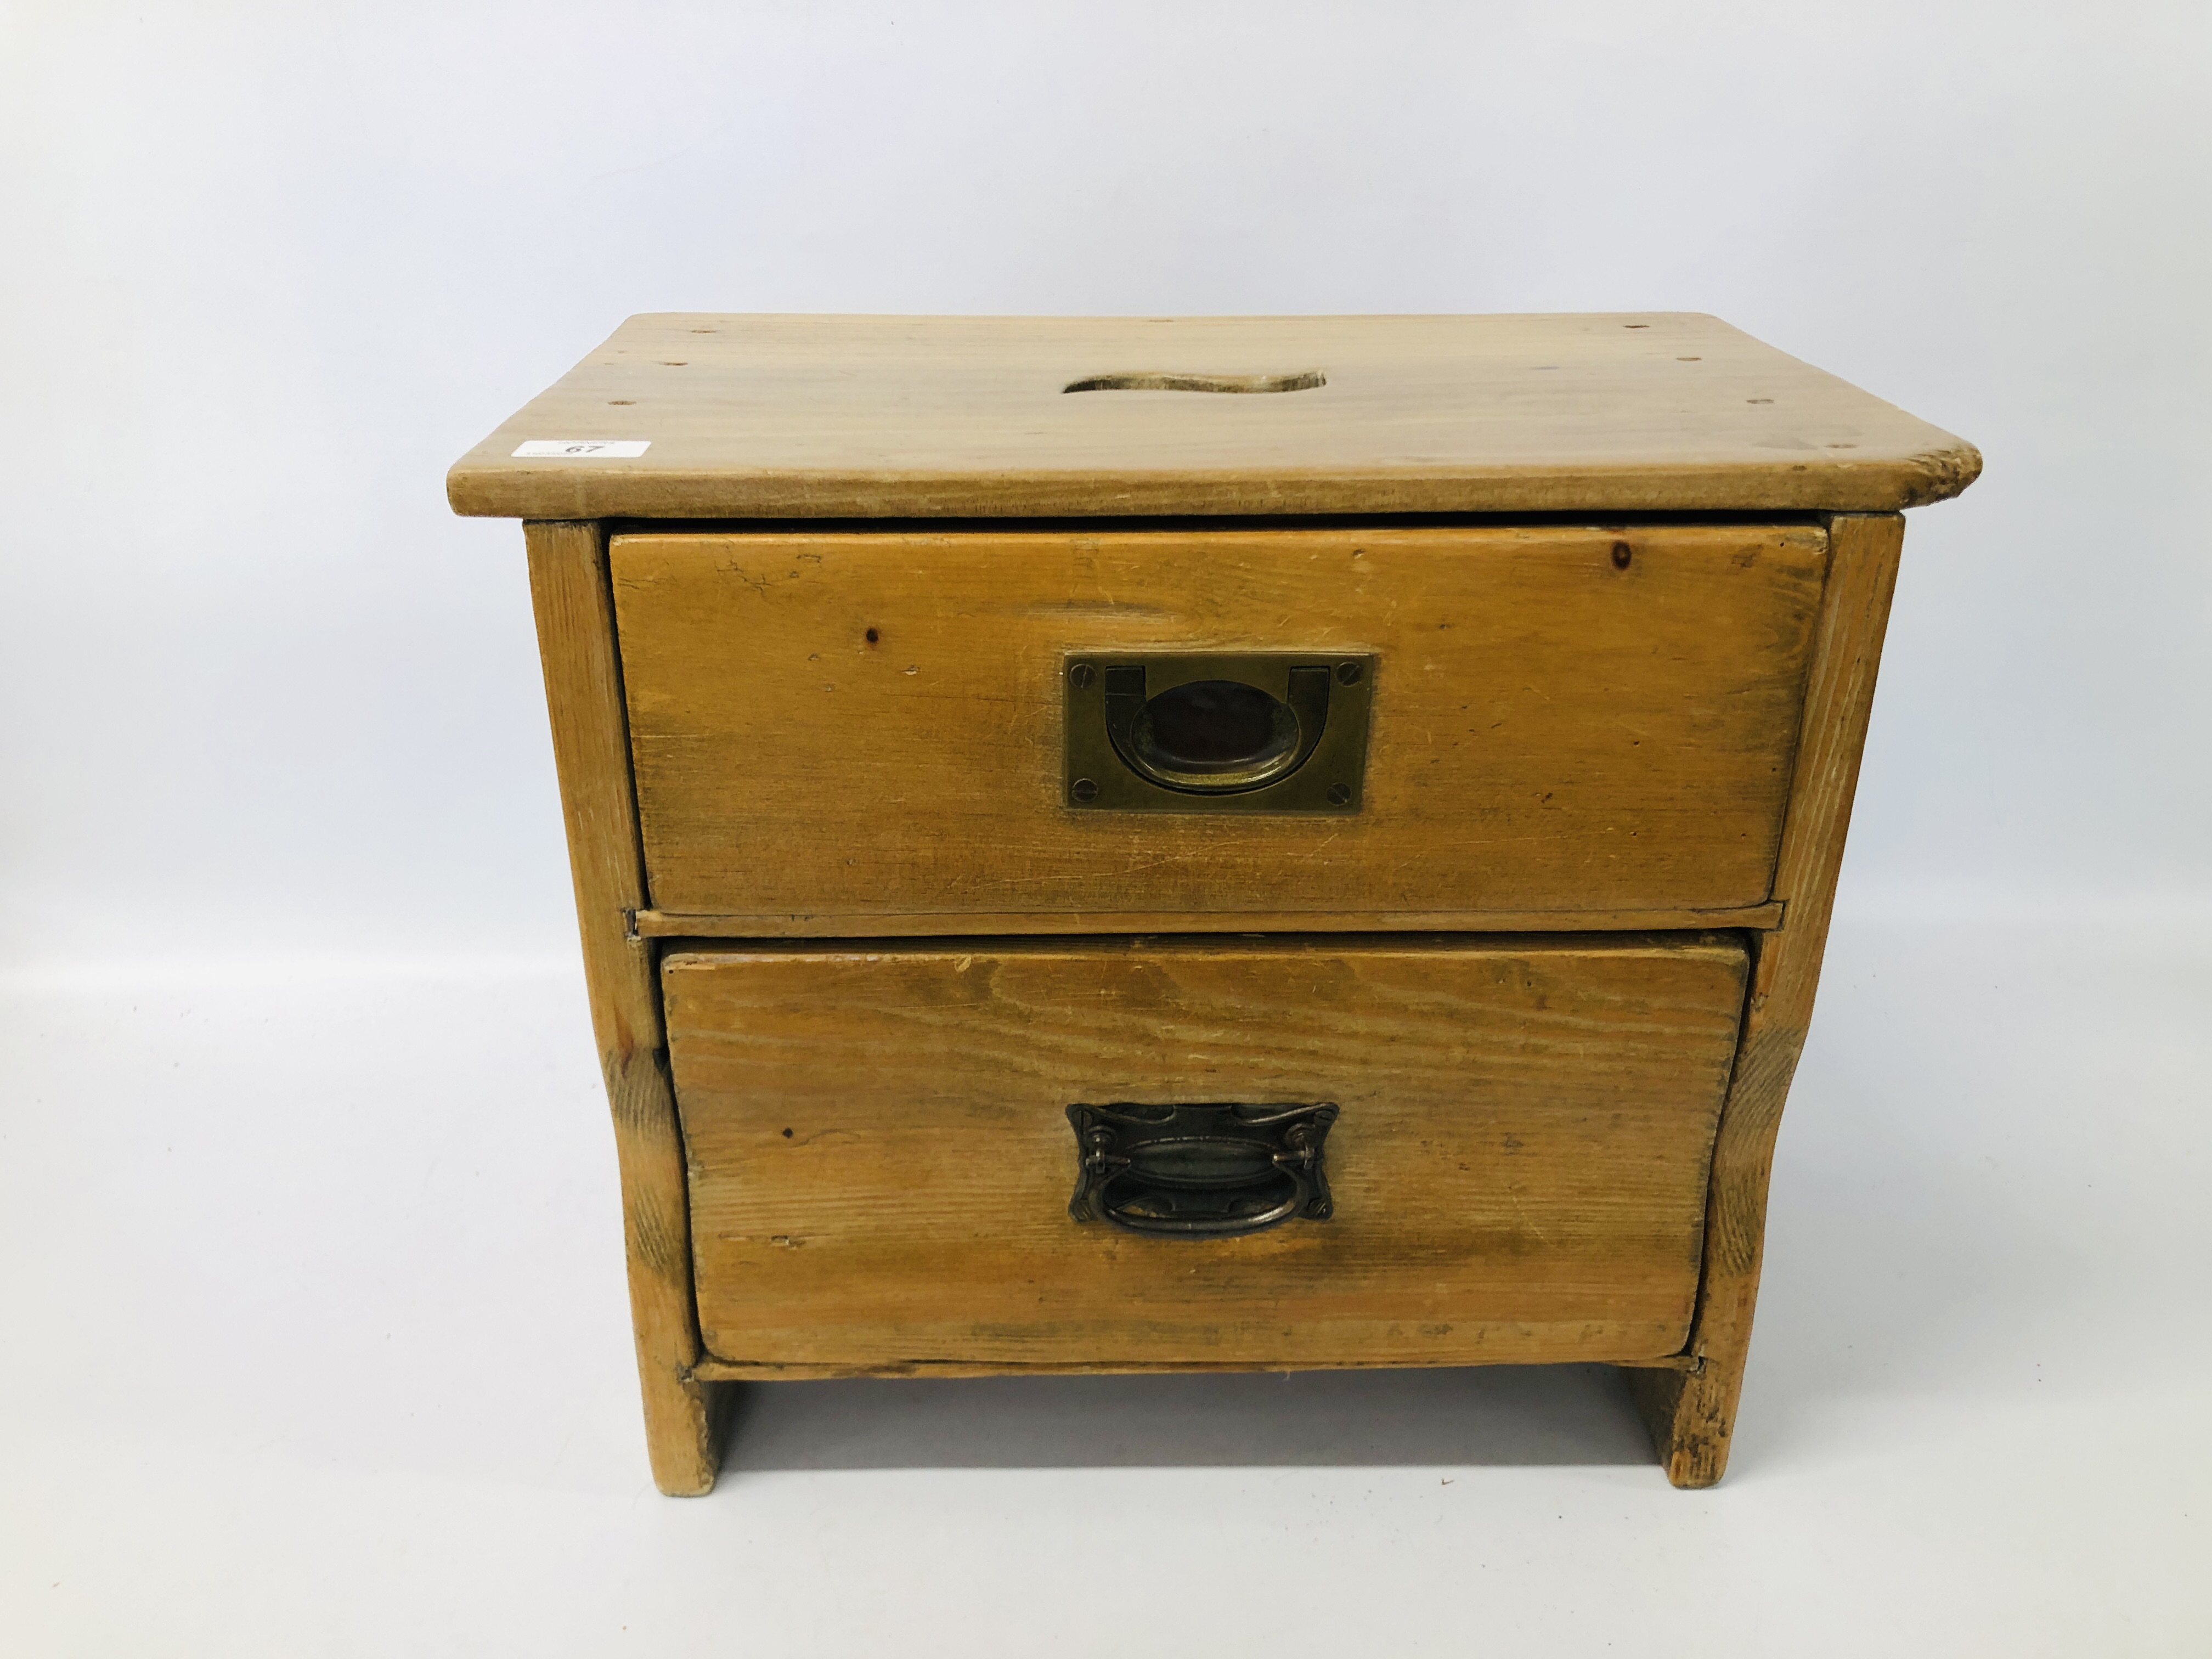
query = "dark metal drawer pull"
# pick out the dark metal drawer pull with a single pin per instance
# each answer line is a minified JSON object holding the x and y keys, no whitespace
{"x":1201,"y":1170}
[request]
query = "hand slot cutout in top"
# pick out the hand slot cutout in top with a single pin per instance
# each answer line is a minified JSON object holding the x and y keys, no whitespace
{"x":1153,"y":380}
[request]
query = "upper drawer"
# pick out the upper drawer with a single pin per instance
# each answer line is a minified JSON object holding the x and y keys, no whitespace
{"x":843,"y":729}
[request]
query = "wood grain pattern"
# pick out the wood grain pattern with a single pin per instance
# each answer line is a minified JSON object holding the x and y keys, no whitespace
{"x":671,"y":924}
{"x":881,"y":1164}
{"x":1554,"y":730}
{"x":799,"y":417}
{"x":1693,"y":1415}
{"x":583,"y":693}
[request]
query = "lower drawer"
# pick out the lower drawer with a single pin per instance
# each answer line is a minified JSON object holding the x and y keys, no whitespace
{"x":882,"y":1156}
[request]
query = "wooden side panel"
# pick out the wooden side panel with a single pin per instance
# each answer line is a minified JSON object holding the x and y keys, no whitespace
{"x":881,"y":1161}
{"x":846,"y":728}
{"x":583,"y":692}
{"x":1692,"y":1413}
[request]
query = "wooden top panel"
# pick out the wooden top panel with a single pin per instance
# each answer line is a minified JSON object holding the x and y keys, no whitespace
{"x":782,"y":417}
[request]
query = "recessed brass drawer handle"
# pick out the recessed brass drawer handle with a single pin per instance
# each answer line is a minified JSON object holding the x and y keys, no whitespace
{"x":1210,"y":1170}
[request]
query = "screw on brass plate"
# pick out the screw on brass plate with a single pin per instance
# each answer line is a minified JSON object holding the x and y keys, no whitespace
{"x":1339,"y":793}
{"x":1086,"y":789}
{"x":1081,"y":675}
{"x":1621,"y":556}
{"x":1348,"y":673}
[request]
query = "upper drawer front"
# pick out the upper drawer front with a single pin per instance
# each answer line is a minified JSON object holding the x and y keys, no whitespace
{"x":1561,"y":719}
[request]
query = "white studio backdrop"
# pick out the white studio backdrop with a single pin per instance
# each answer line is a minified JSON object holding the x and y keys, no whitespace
{"x":273,"y":267}
{"x":313,"y":1337}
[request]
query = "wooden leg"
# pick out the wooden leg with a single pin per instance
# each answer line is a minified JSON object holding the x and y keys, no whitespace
{"x":1691,"y":1416}
{"x":681,"y":1430}
{"x":680,"y":1416}
{"x":1672,"y":1412}
{"x":1691,"y":1413}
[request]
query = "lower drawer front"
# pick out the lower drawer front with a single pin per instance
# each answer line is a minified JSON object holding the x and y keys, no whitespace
{"x":881,"y":1157}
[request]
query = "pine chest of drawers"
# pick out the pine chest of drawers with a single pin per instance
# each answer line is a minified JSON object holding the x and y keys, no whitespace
{"x":1125,"y":844}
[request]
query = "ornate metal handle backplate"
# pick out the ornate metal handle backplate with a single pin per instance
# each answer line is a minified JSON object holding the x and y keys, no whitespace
{"x":1202,"y":1171}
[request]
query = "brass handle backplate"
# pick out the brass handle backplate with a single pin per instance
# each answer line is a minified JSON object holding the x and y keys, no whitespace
{"x":1193,"y":732}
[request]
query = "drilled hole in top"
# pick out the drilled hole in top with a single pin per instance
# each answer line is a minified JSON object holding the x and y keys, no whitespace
{"x":1153,"y":380}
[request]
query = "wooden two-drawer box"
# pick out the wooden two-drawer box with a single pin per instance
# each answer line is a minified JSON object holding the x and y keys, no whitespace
{"x":1124,"y":844}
